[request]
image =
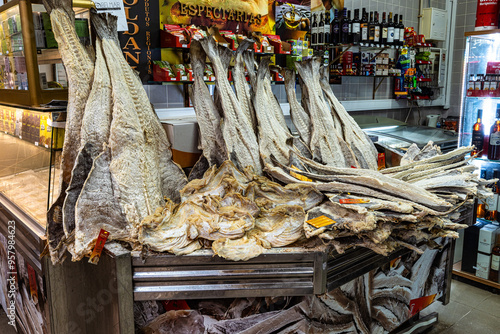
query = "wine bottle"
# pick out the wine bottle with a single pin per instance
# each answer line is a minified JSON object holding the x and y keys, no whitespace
{"x":495,"y":261}
{"x":356,"y":28}
{"x":321,"y":30}
{"x":335,"y":35}
{"x":494,"y":147}
{"x":349,"y":27}
{"x":376,"y":36}
{"x":396,"y":30}
{"x":478,"y":135}
{"x":371,"y":29}
{"x":390,"y":30}
{"x":401,"y":31}
{"x":364,"y":27}
{"x":327,"y":28}
{"x":344,"y":33}
{"x":314,"y":31}
{"x":383,"y":30}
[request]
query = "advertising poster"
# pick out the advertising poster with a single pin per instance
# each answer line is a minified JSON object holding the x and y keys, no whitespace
{"x":293,"y":19}
{"x":141,"y":43}
{"x":235,"y":15}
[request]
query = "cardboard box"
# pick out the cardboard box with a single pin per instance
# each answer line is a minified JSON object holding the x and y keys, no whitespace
{"x":487,"y":237}
{"x":184,"y":138}
{"x":471,"y":241}
{"x":483,"y":265}
{"x":493,"y":67}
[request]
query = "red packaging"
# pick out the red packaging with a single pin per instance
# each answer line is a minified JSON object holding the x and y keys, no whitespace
{"x":493,"y":67}
{"x":487,"y":14}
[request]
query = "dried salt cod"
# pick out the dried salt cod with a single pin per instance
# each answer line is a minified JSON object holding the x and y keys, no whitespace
{"x":79,"y":68}
{"x":179,"y":321}
{"x":240,"y":139}
{"x":162,"y":233}
{"x":299,"y":117}
{"x":274,"y":138}
{"x":242,"y":249}
{"x":240,"y":83}
{"x":207,"y":115}
{"x":280,"y":226}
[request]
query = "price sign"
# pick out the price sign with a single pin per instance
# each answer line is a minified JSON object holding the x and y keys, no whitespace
{"x":114,"y":7}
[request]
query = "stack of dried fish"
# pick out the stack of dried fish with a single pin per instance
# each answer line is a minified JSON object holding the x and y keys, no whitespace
{"x":241,"y":213}
{"x":117,"y":165}
{"x":400,"y":206}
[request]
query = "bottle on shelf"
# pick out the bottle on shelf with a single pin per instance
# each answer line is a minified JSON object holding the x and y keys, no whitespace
{"x":390,"y":30}
{"x":335,"y":29}
{"x":321,"y":30}
{"x":478,"y":135}
{"x":314,"y":31}
{"x":495,"y":261}
{"x":326,"y":28}
{"x":349,"y":27}
{"x":344,"y":32}
{"x":401,"y":31}
{"x":383,"y":29}
{"x":396,"y":31}
{"x":371,"y":29}
{"x":376,"y":35}
{"x":494,"y":142}
{"x":356,"y":28}
{"x":364,"y":27}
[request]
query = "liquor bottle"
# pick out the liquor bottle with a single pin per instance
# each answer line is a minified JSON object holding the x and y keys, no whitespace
{"x":349,"y":27}
{"x":314,"y":31}
{"x":356,"y":28}
{"x":396,"y":30}
{"x":371,"y":29}
{"x":383,"y":30}
{"x":364,"y":27}
{"x":335,"y":35}
{"x":327,"y":28}
{"x":494,"y":144}
{"x":478,"y":135}
{"x":495,"y":261}
{"x":390,"y":30}
{"x":344,"y":32}
{"x":401,"y":31}
{"x":321,"y":30}
{"x":376,"y":36}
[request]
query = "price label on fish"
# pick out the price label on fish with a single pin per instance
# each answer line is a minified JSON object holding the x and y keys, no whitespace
{"x":115,"y":8}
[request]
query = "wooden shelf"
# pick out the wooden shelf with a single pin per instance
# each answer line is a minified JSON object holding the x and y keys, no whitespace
{"x":483,"y":32}
{"x":458,"y":272}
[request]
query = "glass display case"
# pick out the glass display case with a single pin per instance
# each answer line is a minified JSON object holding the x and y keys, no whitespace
{"x":480,"y":126}
{"x":31,"y":69}
{"x":30,"y":142}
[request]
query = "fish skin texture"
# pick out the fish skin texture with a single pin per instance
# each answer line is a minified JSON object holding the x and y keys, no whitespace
{"x":240,"y":83}
{"x":273,"y":138}
{"x":157,"y":147}
{"x":94,"y":133}
{"x":79,"y":68}
{"x":363,"y":148}
{"x":242,"y":249}
{"x":299,"y":117}
{"x":98,"y":208}
{"x":326,"y":144}
{"x":241,"y":141}
{"x":209,"y":120}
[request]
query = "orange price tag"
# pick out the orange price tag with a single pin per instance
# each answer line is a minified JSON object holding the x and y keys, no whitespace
{"x":418,"y":304}
{"x":298,"y":176}
{"x":321,"y":221}
{"x":353,"y":201}
{"x":33,"y":284}
{"x":99,"y":245}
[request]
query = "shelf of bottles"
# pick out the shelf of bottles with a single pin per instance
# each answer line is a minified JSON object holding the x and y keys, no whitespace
{"x":364,"y":31}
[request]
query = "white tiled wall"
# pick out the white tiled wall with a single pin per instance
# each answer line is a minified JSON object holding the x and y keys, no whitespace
{"x":361,"y":88}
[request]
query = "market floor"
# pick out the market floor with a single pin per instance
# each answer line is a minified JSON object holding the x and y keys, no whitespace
{"x":471,"y":310}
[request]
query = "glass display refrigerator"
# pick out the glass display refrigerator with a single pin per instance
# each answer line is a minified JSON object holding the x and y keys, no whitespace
{"x":480,"y":126}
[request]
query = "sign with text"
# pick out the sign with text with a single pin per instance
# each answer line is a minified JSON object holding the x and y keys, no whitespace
{"x":140,"y":42}
{"x":235,"y":15}
{"x":114,"y":7}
